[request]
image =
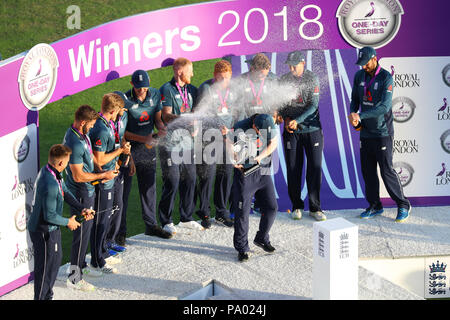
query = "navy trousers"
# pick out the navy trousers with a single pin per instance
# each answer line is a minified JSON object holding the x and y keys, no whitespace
{"x":203,"y":188}
{"x":243,"y":189}
{"x":99,"y":250}
{"x":127,"y":183}
{"x":80,"y":237}
{"x":176,"y":177}
{"x":222,"y":187}
{"x":116,"y":218}
{"x":378,"y":151}
{"x":145,"y":162}
{"x":47,"y":259}
{"x":296,"y":145}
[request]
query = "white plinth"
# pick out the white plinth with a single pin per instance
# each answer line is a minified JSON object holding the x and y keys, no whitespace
{"x":335,"y":260}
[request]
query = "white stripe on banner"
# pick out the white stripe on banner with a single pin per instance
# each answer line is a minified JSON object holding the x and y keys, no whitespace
{"x":347,"y":191}
{"x":345,"y":83}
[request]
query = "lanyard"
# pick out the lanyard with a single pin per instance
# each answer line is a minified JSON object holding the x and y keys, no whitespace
{"x":80,"y":135}
{"x":184,"y":97}
{"x":223,"y":101}
{"x":116,"y":130}
{"x":106,"y":122}
{"x":367,"y":86}
{"x":257,"y":99}
{"x":56,"y":178}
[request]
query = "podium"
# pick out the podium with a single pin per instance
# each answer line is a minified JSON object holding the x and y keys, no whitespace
{"x":335,"y":260}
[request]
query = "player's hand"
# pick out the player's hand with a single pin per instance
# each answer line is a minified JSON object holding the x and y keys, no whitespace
{"x":239,"y":166}
{"x":132,"y":167}
{"x":287,"y":120}
{"x":88,"y":214}
{"x":126,"y":147}
{"x":224,"y":130}
{"x":109,"y":175}
{"x":73,"y":224}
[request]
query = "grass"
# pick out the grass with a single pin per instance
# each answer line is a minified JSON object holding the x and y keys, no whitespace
{"x":24,"y":24}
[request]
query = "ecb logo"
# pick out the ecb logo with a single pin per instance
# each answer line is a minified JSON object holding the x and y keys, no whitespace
{"x":369,"y":23}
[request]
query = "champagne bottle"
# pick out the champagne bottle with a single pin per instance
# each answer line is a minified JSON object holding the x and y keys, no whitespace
{"x":358,"y":126}
{"x":80,"y":218}
{"x":124,"y":160}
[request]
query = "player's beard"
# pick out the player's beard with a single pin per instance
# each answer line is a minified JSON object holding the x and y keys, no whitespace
{"x":85,"y":130}
{"x":185,"y":79}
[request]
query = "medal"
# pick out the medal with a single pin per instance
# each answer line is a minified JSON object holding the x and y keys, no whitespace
{"x":223,"y":108}
{"x":257,"y":101}
{"x":184,"y":97}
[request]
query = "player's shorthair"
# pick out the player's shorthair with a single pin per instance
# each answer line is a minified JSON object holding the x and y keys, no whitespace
{"x":58,"y":151}
{"x":181,"y":63}
{"x":112,"y":101}
{"x":85,"y":113}
{"x":260,"y":62}
{"x":222,"y":66}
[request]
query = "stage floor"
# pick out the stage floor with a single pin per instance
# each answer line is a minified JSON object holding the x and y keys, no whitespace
{"x":158,"y":269}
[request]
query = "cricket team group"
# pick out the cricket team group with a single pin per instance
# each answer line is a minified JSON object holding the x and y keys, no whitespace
{"x":103,"y":149}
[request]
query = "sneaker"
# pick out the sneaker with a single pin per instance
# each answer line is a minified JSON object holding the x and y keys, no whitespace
{"x":255,"y":210}
{"x":113,"y":260}
{"x":206,"y":223}
{"x":81,"y":285}
{"x":243,"y":256}
{"x":191,"y":225}
{"x":112,"y":253}
{"x":170,"y":228}
{"x":91,"y":272}
{"x":318,"y":215}
{"x":120,"y":240}
{"x":114,"y":246}
{"x":402,"y":214}
{"x":107,"y":269}
{"x":267,"y":247}
{"x":371,"y":212}
{"x":224,"y":221}
{"x":157,"y":231}
{"x":297,"y":214}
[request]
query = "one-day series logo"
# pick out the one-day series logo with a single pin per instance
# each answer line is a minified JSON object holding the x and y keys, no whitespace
{"x":37,"y":76}
{"x":403,"y":109}
{"x":405,"y":172}
{"x":445,"y":141}
{"x":369,"y":22}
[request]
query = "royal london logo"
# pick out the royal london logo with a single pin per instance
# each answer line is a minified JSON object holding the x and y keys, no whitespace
{"x":405,"y":80}
{"x":369,"y":23}
{"x":22,"y":256}
{"x":37,"y":76}
{"x":444,"y":110}
{"x":443,"y":176}
{"x":21,"y":188}
{"x":405,"y":172}
{"x":403,"y":109}
{"x":405,"y":146}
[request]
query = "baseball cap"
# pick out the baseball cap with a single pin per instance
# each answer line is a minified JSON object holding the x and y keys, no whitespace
{"x":294,"y":58}
{"x":140,"y":79}
{"x":364,"y":55}
{"x":263,"y":121}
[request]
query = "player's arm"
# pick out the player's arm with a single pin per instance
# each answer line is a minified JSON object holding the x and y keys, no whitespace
{"x":271,"y":147}
{"x":385,"y":103}
{"x":80,"y":176}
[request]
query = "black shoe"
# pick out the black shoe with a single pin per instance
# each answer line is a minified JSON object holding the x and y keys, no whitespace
{"x":227,"y":222}
{"x":267,"y":247}
{"x":206,"y":223}
{"x":157,"y":231}
{"x":243,"y":256}
{"x":120,"y":240}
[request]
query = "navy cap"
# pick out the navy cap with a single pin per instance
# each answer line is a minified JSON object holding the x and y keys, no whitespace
{"x":140,"y":79}
{"x":364,"y":55}
{"x":263,"y":121}
{"x":294,"y":58}
{"x":126,"y":101}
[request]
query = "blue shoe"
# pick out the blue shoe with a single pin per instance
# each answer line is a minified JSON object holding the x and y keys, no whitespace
{"x":116,"y":247}
{"x":112,"y":253}
{"x":402,"y":214}
{"x":370,"y":213}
